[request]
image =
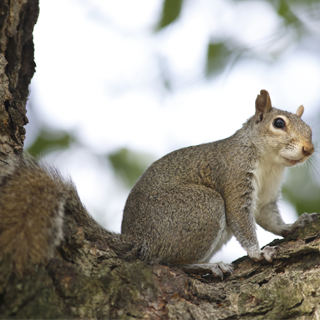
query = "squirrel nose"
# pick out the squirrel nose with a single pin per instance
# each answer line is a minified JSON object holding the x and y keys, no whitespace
{"x":308,"y":149}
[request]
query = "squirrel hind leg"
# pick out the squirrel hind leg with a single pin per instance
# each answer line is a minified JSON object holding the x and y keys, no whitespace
{"x":185,"y":230}
{"x":217,"y":269}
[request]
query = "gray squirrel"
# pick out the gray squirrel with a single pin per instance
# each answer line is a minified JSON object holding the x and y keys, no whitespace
{"x":181,"y":211}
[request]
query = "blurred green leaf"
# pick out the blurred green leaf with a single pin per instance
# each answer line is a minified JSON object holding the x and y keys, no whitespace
{"x":302,"y":189}
{"x":129,"y":165}
{"x":170,"y":12}
{"x":218,"y":57}
{"x":301,"y":204}
{"x":287,"y":14}
{"x":48,"y":141}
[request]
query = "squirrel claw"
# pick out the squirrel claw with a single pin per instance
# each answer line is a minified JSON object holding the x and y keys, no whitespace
{"x":301,"y":222}
{"x":304,"y":219}
{"x":314,"y":216}
{"x":267,"y":253}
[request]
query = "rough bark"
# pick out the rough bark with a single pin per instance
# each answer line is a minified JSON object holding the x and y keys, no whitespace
{"x":17,"y":19}
{"x":88,"y":280}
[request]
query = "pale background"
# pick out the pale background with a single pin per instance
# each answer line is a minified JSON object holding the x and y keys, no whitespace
{"x":98,"y":76}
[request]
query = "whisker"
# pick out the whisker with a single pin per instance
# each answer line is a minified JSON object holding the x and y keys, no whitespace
{"x":317,"y":123}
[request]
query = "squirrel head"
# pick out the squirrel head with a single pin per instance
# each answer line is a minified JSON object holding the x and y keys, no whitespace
{"x":280,"y":135}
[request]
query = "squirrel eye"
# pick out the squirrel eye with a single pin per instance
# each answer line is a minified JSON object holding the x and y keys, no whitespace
{"x":279,"y":123}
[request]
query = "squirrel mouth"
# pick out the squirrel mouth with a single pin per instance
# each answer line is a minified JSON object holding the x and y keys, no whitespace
{"x":292,"y":161}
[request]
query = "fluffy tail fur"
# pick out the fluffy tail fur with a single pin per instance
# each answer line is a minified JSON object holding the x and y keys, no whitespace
{"x":34,"y":199}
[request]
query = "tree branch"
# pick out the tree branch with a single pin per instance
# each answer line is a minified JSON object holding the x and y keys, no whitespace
{"x":86,"y":279}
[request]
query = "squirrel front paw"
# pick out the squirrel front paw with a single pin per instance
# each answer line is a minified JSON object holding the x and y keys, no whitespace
{"x":301,"y":222}
{"x":267,"y":253}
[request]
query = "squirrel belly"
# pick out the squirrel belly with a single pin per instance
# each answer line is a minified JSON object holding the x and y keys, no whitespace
{"x":267,"y":179}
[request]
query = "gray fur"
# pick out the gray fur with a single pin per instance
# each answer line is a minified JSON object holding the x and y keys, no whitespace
{"x":189,"y":203}
{"x":181,"y":210}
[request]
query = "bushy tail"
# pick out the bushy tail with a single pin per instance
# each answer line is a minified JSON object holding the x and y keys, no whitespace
{"x":34,"y":203}
{"x":119,"y":243}
{"x":31,"y":214}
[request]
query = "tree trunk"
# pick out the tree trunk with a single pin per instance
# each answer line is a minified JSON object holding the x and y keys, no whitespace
{"x":17,"y":19}
{"x":86,"y":279}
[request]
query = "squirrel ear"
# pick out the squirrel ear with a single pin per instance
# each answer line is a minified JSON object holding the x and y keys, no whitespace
{"x":299,"y":111}
{"x":263,"y":103}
